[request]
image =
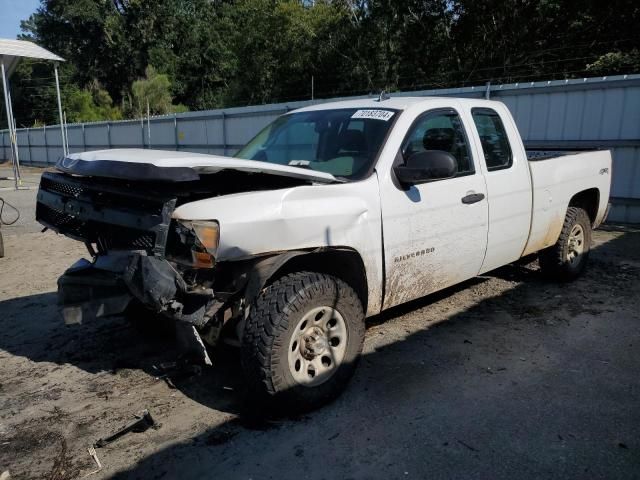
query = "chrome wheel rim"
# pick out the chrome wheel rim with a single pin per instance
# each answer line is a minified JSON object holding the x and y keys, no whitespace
{"x":317,"y":346}
{"x":575,"y":244}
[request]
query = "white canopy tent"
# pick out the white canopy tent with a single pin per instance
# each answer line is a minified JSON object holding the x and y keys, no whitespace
{"x":11,"y":52}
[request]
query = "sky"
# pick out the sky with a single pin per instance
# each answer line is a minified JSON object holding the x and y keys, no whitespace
{"x":11,"y":12}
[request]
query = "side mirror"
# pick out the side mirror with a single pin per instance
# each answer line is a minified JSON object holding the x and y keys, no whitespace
{"x":426,"y":166}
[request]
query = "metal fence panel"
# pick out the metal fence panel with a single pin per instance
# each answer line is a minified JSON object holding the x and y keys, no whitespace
{"x":626,"y":172}
{"x":23,"y":139}
{"x":239,"y":130}
{"x":126,"y":134}
{"x":3,"y":149}
{"x":96,"y":136}
{"x":195,"y":132}
{"x":523,"y":114}
{"x":582,"y":113}
{"x":162,"y":134}
{"x":37,"y":137}
{"x":574,"y":110}
{"x":214,"y":130}
{"x":75,"y":137}
{"x":538,"y":113}
{"x":611,"y":121}
{"x":630,"y":115}
{"x":555,"y":120}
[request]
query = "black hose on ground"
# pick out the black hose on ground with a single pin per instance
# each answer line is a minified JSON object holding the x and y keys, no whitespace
{"x":4,"y":203}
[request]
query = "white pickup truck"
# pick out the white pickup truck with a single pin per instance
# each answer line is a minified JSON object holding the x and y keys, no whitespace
{"x":331,"y":214}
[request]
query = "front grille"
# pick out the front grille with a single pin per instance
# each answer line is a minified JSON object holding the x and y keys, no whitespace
{"x":124,"y":238}
{"x":106,"y":214}
{"x":109,"y":237}
{"x":63,"y":188}
{"x":99,"y":194}
{"x":54,"y":217}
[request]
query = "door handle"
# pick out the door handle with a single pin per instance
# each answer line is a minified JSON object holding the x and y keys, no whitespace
{"x":473,"y":198}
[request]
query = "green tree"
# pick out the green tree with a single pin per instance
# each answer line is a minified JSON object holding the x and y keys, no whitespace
{"x":210,"y":54}
{"x":90,"y":105}
{"x":615,"y":63}
{"x":182,"y":39}
{"x":153,"y":93}
{"x":279,"y":45}
{"x":89,"y":35}
{"x":511,"y":40}
{"x":403,"y":43}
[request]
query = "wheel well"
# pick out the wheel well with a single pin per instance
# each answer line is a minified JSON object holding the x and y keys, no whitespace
{"x":343,"y":263}
{"x":588,"y":200}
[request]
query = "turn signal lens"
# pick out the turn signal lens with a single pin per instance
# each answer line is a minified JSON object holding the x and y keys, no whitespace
{"x":202,"y":238}
{"x":202,"y":259}
{"x":209,"y":235}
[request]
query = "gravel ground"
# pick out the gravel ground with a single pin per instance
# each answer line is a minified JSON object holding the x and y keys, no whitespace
{"x":506,"y":376}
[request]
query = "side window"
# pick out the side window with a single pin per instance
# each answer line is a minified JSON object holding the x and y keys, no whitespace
{"x":493,"y":137}
{"x":440,"y":130}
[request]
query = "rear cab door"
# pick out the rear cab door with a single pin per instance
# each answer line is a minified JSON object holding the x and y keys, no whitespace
{"x":503,"y":161}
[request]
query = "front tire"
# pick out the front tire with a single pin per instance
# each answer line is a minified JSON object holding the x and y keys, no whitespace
{"x":302,"y":341}
{"x":567,"y":259}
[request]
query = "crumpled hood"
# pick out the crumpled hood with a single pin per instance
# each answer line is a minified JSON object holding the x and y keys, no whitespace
{"x":170,"y":166}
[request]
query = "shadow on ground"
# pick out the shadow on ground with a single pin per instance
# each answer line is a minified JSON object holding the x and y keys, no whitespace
{"x":107,"y":345}
{"x":536,"y":381}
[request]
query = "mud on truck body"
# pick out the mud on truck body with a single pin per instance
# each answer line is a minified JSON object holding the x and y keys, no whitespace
{"x":331,"y":214}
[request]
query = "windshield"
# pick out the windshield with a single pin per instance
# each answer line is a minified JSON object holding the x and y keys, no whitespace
{"x":342,"y":142}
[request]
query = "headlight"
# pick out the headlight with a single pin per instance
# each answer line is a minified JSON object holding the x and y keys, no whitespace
{"x":208,"y":233}
{"x":203,"y":238}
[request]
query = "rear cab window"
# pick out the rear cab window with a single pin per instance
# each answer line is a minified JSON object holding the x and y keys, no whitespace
{"x":493,"y":138}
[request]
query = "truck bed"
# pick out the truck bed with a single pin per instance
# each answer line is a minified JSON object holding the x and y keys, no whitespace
{"x":555,"y":179}
{"x":537,"y":154}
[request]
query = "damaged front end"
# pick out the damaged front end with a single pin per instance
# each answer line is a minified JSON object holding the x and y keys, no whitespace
{"x":127,"y":230}
{"x":111,"y":283}
{"x":106,"y":286}
{"x":139,"y":254}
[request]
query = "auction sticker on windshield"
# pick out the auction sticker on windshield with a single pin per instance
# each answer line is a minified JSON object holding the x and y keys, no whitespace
{"x":374,"y":114}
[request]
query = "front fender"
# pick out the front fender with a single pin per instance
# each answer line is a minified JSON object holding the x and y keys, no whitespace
{"x":302,"y":218}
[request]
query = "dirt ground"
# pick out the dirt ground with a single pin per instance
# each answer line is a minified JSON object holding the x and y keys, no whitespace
{"x":506,"y":376}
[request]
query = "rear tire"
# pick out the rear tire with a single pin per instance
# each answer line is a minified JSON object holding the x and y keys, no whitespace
{"x":567,"y":259}
{"x":302,"y":342}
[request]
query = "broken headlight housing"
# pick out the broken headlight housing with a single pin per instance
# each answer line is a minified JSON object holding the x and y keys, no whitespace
{"x":195,"y":243}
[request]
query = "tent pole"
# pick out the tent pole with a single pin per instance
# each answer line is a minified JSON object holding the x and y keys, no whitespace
{"x":64,"y":146}
{"x":16,"y":163}
{"x":12,"y":133}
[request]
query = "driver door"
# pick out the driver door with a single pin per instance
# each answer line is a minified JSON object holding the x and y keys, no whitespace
{"x":435,"y":233}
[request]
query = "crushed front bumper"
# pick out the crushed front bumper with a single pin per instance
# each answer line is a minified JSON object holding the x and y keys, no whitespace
{"x":108,"y":285}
